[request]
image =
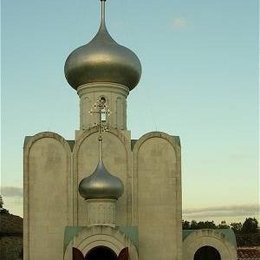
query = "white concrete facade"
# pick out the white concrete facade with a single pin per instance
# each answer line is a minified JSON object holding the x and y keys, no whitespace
{"x":149,"y":169}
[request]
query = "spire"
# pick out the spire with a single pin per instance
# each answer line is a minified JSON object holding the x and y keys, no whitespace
{"x":103,"y":13}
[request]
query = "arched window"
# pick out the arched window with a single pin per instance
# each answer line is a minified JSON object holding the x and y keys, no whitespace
{"x":207,"y":253}
{"x":101,"y":252}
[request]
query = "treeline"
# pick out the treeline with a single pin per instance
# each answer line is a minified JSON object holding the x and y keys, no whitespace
{"x":249,"y":226}
{"x":247,"y":233}
{"x":11,"y":235}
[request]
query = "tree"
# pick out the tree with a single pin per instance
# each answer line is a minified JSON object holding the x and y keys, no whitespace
{"x":193,"y":224}
{"x":1,"y":202}
{"x":2,"y":210}
{"x":198,"y":225}
{"x":185,"y":224}
{"x":210,"y":224}
{"x":206,"y":224}
{"x":223,"y":225}
{"x":236,"y":227}
{"x":249,"y":226}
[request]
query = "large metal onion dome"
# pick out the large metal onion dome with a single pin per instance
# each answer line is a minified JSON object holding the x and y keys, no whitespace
{"x":102,"y":60}
{"x":101,"y":185}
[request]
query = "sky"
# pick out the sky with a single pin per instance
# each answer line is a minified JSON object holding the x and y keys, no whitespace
{"x":199,"y":81}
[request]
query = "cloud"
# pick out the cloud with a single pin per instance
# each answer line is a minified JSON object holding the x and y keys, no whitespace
{"x":179,"y":23}
{"x":224,"y":211}
{"x":7,"y":191}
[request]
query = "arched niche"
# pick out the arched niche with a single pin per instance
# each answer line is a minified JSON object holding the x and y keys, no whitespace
{"x":207,"y":252}
{"x":220,"y":240}
{"x":157,"y":195}
{"x":117,"y":160}
{"x":88,"y":239}
{"x":47,"y":178}
{"x":101,"y":252}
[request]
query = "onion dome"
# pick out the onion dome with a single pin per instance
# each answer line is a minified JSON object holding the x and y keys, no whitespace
{"x":102,"y":60}
{"x":101,"y":185}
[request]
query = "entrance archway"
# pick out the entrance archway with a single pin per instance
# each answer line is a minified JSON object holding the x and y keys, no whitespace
{"x":207,"y":253}
{"x":101,"y":252}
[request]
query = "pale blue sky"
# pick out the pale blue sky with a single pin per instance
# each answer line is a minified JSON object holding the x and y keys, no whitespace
{"x":199,"y":81}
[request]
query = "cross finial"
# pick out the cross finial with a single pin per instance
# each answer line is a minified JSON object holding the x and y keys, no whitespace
{"x":101,"y":108}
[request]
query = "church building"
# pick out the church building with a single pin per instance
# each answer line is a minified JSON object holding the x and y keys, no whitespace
{"x":104,"y":195}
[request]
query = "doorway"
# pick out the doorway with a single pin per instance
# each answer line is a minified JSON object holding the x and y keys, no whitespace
{"x":207,"y":253}
{"x":100,"y":253}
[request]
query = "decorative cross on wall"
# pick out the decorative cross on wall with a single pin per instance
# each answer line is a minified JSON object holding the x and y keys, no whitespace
{"x":100,"y":107}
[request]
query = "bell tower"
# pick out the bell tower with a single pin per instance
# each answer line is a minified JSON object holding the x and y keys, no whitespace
{"x":103,"y":68}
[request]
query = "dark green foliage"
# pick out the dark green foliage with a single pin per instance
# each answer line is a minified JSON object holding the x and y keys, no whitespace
{"x":247,"y":233}
{"x":248,"y":240}
{"x":185,"y":224}
{"x":10,"y":224}
{"x":236,"y":227}
{"x":1,"y":202}
{"x":11,"y":236}
{"x":249,"y":226}
{"x":198,"y":225}
{"x":223,"y":225}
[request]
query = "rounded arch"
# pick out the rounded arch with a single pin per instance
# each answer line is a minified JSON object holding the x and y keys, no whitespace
{"x":30,"y":140}
{"x":101,"y":252}
{"x":117,"y":159}
{"x":157,"y":162}
{"x":56,"y":151}
{"x":173,"y":140}
{"x":124,"y":140}
{"x":100,"y":236}
{"x":207,"y":252}
{"x":208,"y":238}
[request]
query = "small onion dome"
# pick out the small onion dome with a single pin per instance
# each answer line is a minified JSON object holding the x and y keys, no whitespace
{"x":101,"y":185}
{"x":102,"y":60}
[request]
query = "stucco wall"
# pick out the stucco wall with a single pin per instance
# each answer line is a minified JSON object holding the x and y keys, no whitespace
{"x":150,"y":171}
{"x":46,"y":202}
{"x":117,"y":159}
{"x":158,"y":194}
